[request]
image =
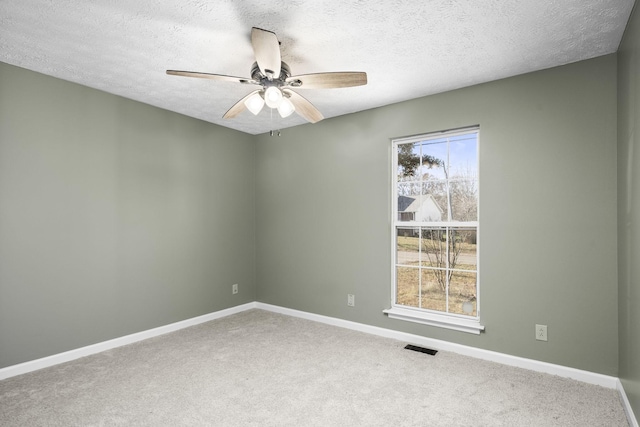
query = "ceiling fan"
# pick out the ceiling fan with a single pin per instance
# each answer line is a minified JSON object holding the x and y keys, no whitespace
{"x":276,"y":82}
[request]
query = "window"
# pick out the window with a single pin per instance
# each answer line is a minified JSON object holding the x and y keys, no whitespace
{"x":435,"y":236}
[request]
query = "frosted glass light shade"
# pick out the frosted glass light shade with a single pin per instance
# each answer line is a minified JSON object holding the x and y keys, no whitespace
{"x":254,"y":103}
{"x":286,"y":108}
{"x":272,"y":96}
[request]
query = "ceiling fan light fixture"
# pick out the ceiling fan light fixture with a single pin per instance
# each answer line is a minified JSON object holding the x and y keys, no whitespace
{"x":273,"y":96}
{"x":255,"y":103}
{"x":286,"y":107}
{"x":274,"y":78}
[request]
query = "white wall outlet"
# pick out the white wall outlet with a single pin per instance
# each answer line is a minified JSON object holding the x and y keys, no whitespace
{"x":351,"y":300}
{"x":234,"y":288}
{"x":541,"y":332}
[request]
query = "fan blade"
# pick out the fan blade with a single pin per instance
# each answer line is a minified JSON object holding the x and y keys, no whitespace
{"x":303,"y":106}
{"x":238,"y":107}
{"x":328,"y":80}
{"x":212,"y":76}
{"x":267,"y":51}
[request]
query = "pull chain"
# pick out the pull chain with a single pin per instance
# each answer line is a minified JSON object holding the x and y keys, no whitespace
{"x":272,"y":132}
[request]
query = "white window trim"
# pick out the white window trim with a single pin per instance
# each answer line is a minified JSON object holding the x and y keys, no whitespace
{"x":451,"y":321}
{"x":447,"y":321}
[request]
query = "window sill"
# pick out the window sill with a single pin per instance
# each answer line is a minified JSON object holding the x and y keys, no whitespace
{"x":433,"y":319}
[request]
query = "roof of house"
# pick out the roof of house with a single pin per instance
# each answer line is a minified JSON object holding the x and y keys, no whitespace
{"x":413,"y":203}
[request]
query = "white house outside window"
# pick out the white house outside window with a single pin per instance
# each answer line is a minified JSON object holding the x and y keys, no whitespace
{"x":435,"y":214}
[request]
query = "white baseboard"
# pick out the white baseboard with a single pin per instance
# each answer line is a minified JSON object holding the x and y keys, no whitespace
{"x":45,"y":362}
{"x":633,"y":421}
{"x":505,"y":359}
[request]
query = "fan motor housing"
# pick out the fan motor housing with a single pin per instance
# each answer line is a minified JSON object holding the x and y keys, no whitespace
{"x":285,"y":73}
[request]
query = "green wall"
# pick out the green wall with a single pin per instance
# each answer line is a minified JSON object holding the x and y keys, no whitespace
{"x":629,"y":210}
{"x":115,"y":217}
{"x":547,"y":212}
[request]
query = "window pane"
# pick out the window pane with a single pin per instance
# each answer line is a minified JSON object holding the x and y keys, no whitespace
{"x":408,"y":207}
{"x":408,"y":161}
{"x":462,"y":293}
{"x":434,"y":159}
{"x":419,"y":208}
{"x":409,"y":188}
{"x":435,"y":192}
{"x":433,"y":291}
{"x":407,"y":246}
{"x":463,"y":156}
{"x":407,"y":286}
{"x":464,"y":200}
{"x":463,"y":250}
{"x":403,"y":189}
{"x":434,"y":247}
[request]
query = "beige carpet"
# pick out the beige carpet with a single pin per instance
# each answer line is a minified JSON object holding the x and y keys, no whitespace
{"x":258,"y":368}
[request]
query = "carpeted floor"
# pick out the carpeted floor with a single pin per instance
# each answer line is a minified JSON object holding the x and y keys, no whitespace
{"x":258,"y":368}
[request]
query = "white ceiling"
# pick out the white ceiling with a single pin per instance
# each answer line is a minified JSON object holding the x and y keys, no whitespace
{"x":409,"y":49}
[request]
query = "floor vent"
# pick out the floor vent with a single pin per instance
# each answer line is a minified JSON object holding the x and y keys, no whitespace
{"x":421,"y":349}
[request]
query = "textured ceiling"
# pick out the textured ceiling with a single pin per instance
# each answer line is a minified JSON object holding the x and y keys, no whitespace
{"x":409,"y":49}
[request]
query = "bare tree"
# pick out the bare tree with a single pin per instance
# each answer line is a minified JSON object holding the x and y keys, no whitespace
{"x":443,"y":252}
{"x":442,"y":249}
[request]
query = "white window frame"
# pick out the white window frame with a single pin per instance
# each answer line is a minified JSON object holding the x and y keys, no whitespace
{"x":469,"y":324}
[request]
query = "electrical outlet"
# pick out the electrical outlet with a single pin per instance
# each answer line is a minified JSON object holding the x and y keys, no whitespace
{"x":234,"y":288}
{"x":351,"y":300}
{"x":541,"y":332}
